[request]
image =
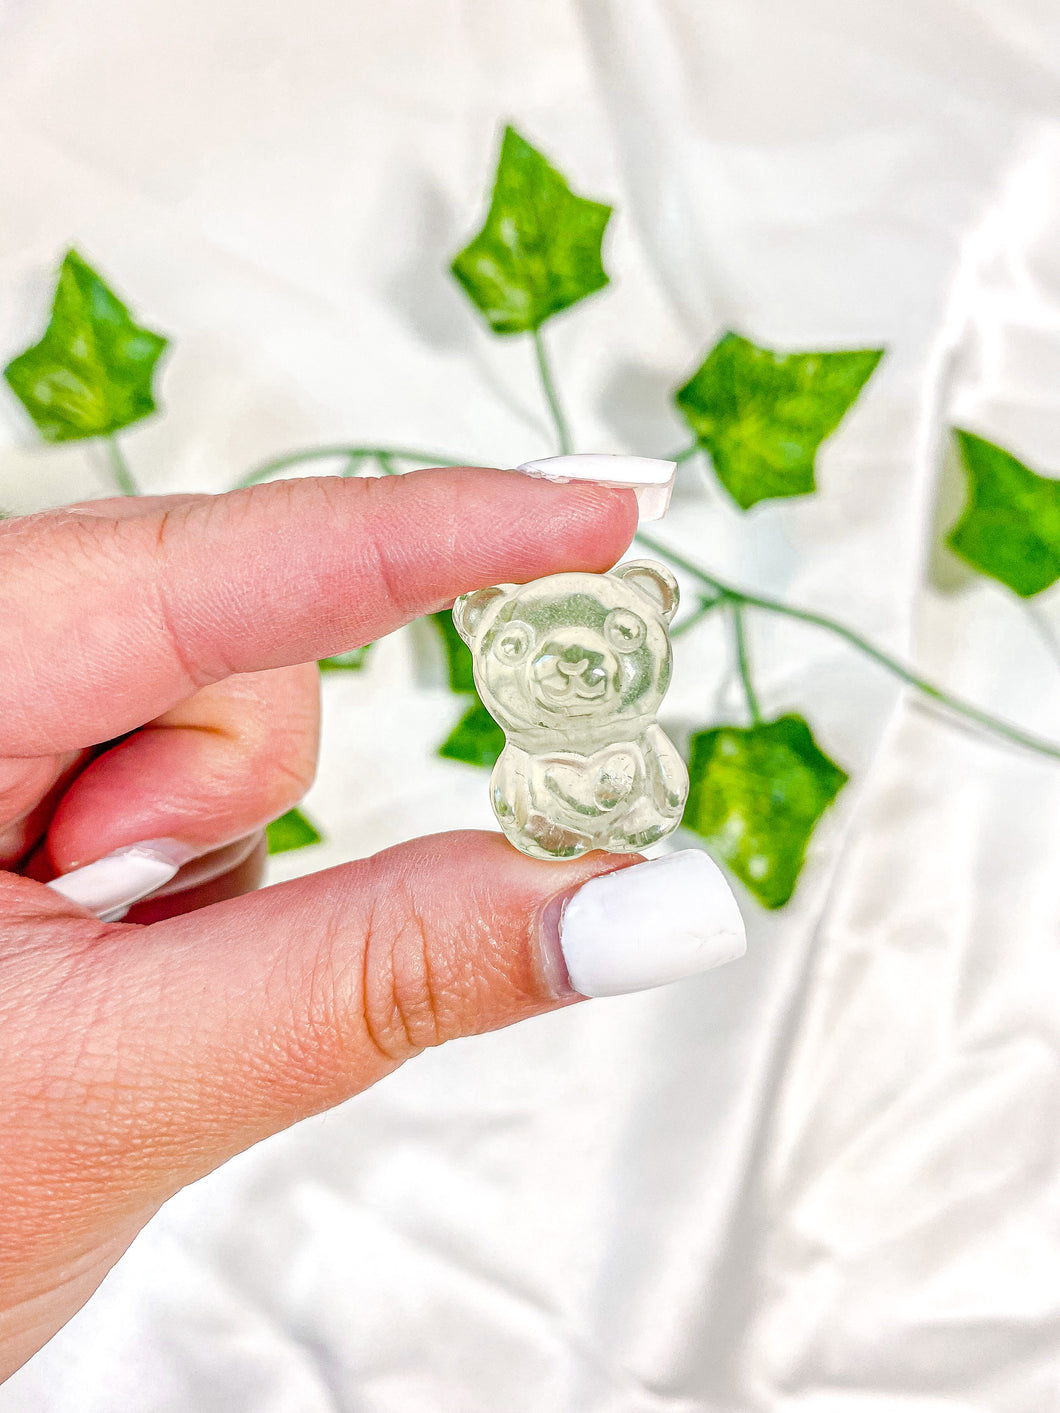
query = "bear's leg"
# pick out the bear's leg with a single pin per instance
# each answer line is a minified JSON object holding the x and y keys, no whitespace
{"x":546,"y":839}
{"x":642,"y":824}
{"x":550,"y":831}
{"x":516,"y":792}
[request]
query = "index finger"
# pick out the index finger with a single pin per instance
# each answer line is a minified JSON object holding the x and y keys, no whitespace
{"x":107,"y":622}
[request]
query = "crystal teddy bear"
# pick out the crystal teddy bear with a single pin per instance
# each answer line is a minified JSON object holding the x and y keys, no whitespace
{"x":573,"y":668}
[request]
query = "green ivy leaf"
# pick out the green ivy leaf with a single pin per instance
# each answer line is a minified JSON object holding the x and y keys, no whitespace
{"x":762,"y":415}
{"x":756,"y":796}
{"x":1010,"y":528}
{"x":476,"y":738}
{"x":90,"y":375}
{"x":291,"y":831}
{"x":353,"y":661}
{"x":457,"y":654}
{"x":540,"y":248}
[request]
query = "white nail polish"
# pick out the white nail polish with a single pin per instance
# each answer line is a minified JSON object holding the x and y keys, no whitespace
{"x":650,"y":924}
{"x":115,"y":914}
{"x":653,"y":481}
{"x":111,"y":885}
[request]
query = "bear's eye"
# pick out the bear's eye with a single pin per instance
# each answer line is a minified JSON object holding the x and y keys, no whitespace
{"x":624,"y":630}
{"x":513,"y":644}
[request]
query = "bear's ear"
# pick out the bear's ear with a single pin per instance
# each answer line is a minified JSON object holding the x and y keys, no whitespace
{"x":469,"y":608}
{"x":654,"y":581}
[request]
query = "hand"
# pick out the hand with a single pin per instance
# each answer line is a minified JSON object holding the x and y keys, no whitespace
{"x":158,"y":683}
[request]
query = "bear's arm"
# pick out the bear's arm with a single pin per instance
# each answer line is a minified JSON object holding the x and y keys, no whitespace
{"x":510,"y":786}
{"x":666,"y":771}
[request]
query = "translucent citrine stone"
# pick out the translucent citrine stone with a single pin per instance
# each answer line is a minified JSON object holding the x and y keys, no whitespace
{"x":574,"y":668}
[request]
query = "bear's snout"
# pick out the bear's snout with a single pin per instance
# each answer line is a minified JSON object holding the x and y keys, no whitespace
{"x":572,"y":675}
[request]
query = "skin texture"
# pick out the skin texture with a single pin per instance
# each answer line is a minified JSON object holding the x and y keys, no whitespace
{"x":158,"y":680}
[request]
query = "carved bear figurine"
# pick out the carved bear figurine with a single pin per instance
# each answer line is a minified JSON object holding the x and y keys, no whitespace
{"x":573,"y":669}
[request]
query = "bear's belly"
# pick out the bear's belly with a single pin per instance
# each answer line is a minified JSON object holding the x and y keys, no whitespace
{"x":591,"y":786}
{"x":561,"y":805}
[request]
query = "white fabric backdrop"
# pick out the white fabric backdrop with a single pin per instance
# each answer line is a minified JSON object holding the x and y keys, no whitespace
{"x":825,"y":1179}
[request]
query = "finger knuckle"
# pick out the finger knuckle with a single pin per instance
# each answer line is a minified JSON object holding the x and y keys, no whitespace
{"x":404,"y":992}
{"x":274,"y":758}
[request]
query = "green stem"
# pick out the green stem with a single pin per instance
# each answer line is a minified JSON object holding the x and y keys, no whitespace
{"x":743,"y":661}
{"x":119,"y":467}
{"x":706,"y":606}
{"x":685,"y":454}
{"x":548,"y":386}
{"x":326,"y":453}
{"x":956,"y":705}
{"x":1044,"y":629}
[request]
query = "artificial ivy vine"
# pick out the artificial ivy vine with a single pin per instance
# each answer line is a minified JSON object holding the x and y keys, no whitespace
{"x":759,"y":415}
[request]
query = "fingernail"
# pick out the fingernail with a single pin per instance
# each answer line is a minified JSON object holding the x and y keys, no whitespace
{"x":640,"y":927}
{"x":653,"y":481}
{"x":115,"y":914}
{"x":111,"y":885}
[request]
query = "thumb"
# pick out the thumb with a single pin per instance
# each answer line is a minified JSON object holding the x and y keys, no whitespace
{"x":169,"y":1048}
